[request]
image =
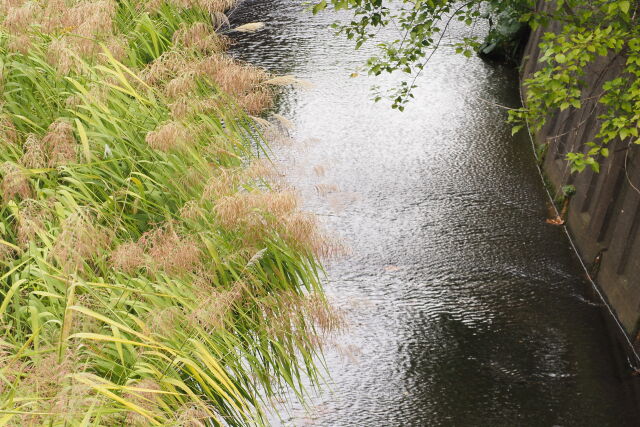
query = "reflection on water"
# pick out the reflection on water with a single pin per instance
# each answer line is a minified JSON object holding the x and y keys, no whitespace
{"x":465,"y":307}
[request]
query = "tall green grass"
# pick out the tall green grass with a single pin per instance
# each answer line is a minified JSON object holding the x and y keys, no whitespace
{"x":150,"y":272}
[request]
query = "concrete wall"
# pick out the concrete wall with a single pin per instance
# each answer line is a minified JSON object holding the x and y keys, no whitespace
{"x":605,"y":212}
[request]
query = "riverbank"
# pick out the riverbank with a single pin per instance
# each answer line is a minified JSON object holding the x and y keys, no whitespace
{"x":151,"y":274}
{"x":603,"y":216}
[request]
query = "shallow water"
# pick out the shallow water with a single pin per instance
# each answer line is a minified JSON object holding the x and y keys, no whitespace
{"x":465,"y":307}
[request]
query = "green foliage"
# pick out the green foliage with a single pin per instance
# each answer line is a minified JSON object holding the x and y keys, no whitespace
{"x":128,"y":294}
{"x":421,"y":27}
{"x":568,"y":190}
{"x":505,"y":38}
{"x":590,"y":30}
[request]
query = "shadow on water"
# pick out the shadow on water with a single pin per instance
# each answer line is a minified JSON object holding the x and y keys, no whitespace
{"x":466,"y":308}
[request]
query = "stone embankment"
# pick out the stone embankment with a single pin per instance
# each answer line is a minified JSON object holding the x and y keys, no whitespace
{"x":604,"y":214}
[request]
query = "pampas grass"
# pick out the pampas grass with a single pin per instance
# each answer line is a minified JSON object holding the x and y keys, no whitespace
{"x":200,"y":37}
{"x":15,"y":182}
{"x":168,"y":136}
{"x":151,"y":272}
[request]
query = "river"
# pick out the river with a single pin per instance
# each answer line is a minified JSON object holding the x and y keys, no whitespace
{"x":465,"y":308}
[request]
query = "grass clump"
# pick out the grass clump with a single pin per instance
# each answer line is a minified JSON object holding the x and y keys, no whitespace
{"x":150,"y":273}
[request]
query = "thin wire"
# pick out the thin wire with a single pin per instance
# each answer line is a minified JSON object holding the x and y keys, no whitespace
{"x":575,"y":250}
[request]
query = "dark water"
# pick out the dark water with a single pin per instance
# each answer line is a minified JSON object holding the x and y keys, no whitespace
{"x":465,"y":307}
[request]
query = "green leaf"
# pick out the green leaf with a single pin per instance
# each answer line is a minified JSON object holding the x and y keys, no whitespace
{"x":624,"y":133}
{"x":320,"y":6}
{"x":624,"y":6}
{"x":84,"y":140}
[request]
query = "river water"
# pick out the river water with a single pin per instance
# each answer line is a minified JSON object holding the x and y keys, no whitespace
{"x":465,"y":308}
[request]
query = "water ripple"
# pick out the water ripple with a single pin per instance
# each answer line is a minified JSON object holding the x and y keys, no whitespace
{"x":465,"y":307}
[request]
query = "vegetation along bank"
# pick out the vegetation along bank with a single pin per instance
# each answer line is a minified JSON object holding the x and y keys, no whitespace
{"x":154,"y":271}
{"x":597,"y":132}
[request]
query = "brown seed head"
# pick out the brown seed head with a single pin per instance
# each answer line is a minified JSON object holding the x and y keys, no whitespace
{"x":73,"y":401}
{"x":6,"y":253}
{"x":61,"y":56}
{"x":53,"y":16}
{"x":210,"y":6}
{"x":262,"y":169}
{"x":20,"y":18}
{"x":223,"y":183}
{"x":79,"y":240}
{"x":151,"y":6}
{"x":169,"y":136}
{"x":255,"y":209}
{"x":257,"y":101}
{"x":214,"y":308}
{"x":164,"y":321}
{"x":192,"y":416}
{"x":34,"y":154}
{"x":190,"y":210}
{"x":128,"y":257}
{"x":60,"y":144}
{"x":20,"y":43}
{"x":14,"y":182}
{"x":302,"y":231}
{"x":90,"y":19}
{"x":187,"y":106}
{"x":201,"y":38}
{"x":168,"y":65}
{"x":169,"y":251}
{"x":31,"y":219}
{"x":8,"y":134}
{"x":233,"y":77}
{"x":45,"y":382}
{"x":307,"y":318}
{"x":117,"y":46}
{"x":180,"y":86}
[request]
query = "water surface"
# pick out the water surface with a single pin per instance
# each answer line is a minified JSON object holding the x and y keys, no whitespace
{"x":465,"y":307}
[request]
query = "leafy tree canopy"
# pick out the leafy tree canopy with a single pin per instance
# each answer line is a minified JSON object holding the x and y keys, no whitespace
{"x":590,"y":29}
